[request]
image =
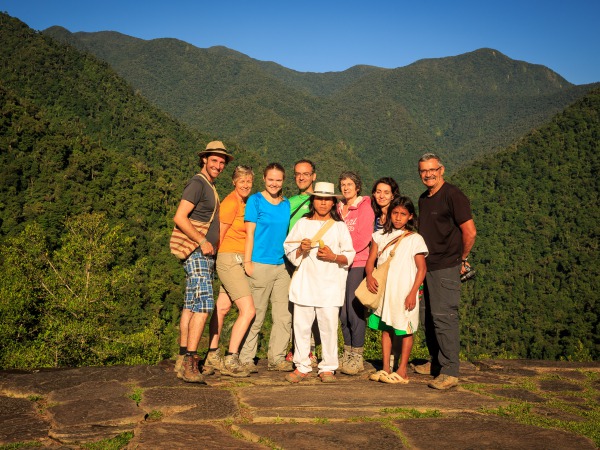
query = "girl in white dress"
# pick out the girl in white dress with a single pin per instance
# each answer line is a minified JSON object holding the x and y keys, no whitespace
{"x":398,"y":313}
{"x":320,"y":246}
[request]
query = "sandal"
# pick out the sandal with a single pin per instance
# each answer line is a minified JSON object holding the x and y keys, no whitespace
{"x":378,"y":375}
{"x":393,"y":378}
{"x":327,"y":377}
{"x":296,"y":376}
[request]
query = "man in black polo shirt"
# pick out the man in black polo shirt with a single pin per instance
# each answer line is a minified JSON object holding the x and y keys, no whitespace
{"x":446,"y":224}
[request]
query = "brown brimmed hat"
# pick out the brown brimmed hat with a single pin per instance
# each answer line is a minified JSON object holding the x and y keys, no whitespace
{"x":216,"y":148}
{"x":324,"y":189}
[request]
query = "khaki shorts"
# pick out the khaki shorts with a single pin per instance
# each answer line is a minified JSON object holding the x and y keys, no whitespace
{"x":231,"y":273}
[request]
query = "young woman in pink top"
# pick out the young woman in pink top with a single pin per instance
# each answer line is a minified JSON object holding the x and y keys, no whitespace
{"x":358,"y":215}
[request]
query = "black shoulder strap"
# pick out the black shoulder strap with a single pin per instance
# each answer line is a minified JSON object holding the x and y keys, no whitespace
{"x":298,"y":208}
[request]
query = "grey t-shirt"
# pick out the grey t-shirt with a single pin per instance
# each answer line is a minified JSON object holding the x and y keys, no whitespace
{"x":199,"y":192}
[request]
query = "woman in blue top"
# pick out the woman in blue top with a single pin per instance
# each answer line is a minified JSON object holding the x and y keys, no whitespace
{"x":267,"y":219}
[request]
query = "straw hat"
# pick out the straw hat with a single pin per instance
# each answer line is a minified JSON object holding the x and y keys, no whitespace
{"x":216,"y":148}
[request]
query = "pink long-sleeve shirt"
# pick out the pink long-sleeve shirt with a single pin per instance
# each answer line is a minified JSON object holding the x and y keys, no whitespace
{"x":359,"y":220}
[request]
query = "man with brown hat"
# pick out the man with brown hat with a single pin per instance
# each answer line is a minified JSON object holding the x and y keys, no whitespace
{"x":197,"y":217}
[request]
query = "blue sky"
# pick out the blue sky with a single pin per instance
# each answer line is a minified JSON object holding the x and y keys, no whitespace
{"x":322,"y":36}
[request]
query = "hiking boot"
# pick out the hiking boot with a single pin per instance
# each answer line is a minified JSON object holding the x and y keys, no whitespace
{"x":443,"y":382}
{"x":178,"y":364}
{"x":233,"y":368}
{"x":345,"y":357}
{"x":249,"y":367}
{"x":355,"y":362}
{"x":423,"y":369}
{"x":281,"y":366}
{"x":213,"y":360}
{"x":190,"y":372}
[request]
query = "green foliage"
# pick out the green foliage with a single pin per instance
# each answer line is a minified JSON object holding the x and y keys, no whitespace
{"x":536,"y":209}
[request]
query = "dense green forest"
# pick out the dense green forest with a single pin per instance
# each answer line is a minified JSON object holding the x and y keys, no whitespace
{"x":462,"y":106}
{"x":536,"y":294}
{"x":91,"y":173}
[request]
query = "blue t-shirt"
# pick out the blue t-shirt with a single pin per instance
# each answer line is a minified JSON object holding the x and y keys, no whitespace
{"x":271,"y":228}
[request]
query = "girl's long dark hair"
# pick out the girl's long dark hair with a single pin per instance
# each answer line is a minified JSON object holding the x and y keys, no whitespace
{"x":395,"y":193}
{"x":407,"y":204}
{"x":311,"y":209}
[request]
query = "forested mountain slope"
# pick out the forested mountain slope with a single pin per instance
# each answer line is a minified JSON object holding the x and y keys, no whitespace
{"x":462,"y":106}
{"x":90,"y":174}
{"x":536,"y":294}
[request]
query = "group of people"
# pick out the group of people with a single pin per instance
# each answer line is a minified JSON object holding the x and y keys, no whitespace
{"x":306,"y":256}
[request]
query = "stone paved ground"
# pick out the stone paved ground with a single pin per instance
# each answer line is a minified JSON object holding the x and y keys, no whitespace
{"x":499,"y":404}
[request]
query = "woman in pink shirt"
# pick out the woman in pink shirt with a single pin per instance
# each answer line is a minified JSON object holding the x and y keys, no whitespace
{"x":358,"y":215}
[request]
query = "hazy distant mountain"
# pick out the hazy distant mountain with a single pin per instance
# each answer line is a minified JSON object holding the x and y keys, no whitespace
{"x":462,"y":107}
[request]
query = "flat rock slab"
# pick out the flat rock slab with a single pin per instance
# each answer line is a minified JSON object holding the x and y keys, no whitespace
{"x":190,"y":403}
{"x":20,"y":422}
{"x":519,"y":394}
{"x":333,"y":435}
{"x":362,"y":398}
{"x":42,"y":382}
{"x":559,"y":385}
{"x":98,"y":412}
{"x":485,"y":433}
{"x":160,"y":435}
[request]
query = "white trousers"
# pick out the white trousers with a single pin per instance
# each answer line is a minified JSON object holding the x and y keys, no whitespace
{"x":327,"y":319}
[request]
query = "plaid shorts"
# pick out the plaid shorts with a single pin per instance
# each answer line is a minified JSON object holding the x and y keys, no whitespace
{"x":199,"y":271}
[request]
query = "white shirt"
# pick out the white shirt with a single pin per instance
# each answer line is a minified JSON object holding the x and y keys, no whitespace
{"x":319,"y":283}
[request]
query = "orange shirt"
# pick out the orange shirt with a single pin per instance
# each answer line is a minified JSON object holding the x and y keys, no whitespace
{"x":232,"y":212}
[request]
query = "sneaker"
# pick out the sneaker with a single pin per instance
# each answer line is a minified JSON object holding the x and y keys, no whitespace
{"x":249,"y":367}
{"x":233,"y":367}
{"x":314,"y":362}
{"x":213,"y":360}
{"x":190,"y":372}
{"x":443,"y":382}
{"x":423,"y":369}
{"x":281,"y":366}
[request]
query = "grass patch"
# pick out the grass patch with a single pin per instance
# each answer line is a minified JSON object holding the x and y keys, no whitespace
{"x":321,"y":420}
{"x":136,"y":395}
{"x":16,"y":445}
{"x":411,"y":413}
{"x":522,"y":412}
{"x":154,"y":415}
{"x":118,"y":442}
{"x":269,"y":443}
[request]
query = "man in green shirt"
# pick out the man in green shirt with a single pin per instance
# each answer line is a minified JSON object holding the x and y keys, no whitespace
{"x":305,"y":175}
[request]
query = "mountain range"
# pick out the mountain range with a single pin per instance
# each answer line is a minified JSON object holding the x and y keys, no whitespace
{"x":368,"y":119}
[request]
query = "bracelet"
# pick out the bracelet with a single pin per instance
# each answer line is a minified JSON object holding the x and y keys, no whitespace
{"x":465,"y":259}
